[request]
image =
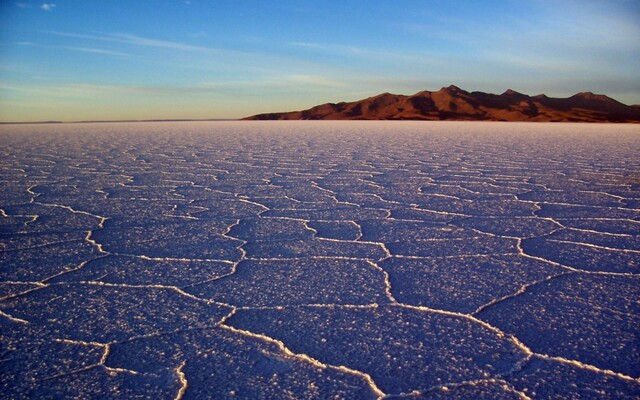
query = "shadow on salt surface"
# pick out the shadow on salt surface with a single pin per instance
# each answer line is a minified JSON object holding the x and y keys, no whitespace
{"x":402,"y":349}
{"x":462,"y":284}
{"x":339,"y":230}
{"x":223,"y":364}
{"x":589,"y":318}
{"x":297,"y":282}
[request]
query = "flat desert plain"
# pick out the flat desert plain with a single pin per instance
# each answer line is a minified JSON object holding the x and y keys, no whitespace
{"x":315,"y":260}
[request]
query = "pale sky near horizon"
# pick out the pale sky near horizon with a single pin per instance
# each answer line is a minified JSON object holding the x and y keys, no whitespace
{"x":106,"y":60}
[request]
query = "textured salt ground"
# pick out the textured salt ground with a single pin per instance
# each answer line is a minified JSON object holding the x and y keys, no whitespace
{"x":402,"y":349}
{"x":140,"y":271}
{"x":463,"y":284}
{"x":592,"y":318}
{"x":583,"y":257}
{"x":297,"y":282}
{"x":245,"y":367}
{"x":302,"y":260}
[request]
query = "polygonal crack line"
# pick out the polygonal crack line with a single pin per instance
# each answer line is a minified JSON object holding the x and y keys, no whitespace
{"x":388,"y":290}
{"x":497,"y":377}
{"x":382,"y":245}
{"x":234,"y":270}
{"x":483,"y":233}
{"x":152,"y":286}
{"x":13,"y":319}
{"x":174,"y":259}
{"x":106,"y":347}
{"x":477,"y":230}
{"x":537,"y":206}
{"x":587,"y":367}
{"x":570,"y":228}
{"x":596,"y":246}
{"x":445,"y":387}
{"x":39,"y":285}
{"x":74,"y":211}
{"x":184,"y":383}
{"x":523,"y":289}
{"x":77,"y":268}
{"x":246,"y":200}
{"x":38,"y":246}
{"x":528,"y":353}
{"x":522,"y":253}
{"x":151,"y":336}
{"x":306,"y":358}
{"x":314,"y":232}
{"x":560,"y":203}
{"x":573,"y":269}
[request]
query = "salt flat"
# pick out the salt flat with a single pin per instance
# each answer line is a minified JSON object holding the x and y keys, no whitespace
{"x":305,"y":259}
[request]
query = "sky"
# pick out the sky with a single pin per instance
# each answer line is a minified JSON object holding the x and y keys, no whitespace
{"x":73,"y":60}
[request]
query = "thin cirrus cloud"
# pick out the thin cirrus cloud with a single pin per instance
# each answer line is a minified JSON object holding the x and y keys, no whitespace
{"x":129,"y":39}
{"x":237,"y":60}
{"x":379,"y":55}
{"x":47,"y":6}
{"x":93,"y":50}
{"x":90,"y":90}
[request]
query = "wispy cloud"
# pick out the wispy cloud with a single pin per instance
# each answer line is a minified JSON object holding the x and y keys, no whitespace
{"x":93,"y":50}
{"x":135,"y":40}
{"x":380,"y":55}
{"x":91,"y":90}
{"x":166,"y":44}
{"x":48,"y":6}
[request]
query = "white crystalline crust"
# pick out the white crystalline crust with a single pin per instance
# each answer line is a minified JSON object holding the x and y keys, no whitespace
{"x":318,"y":260}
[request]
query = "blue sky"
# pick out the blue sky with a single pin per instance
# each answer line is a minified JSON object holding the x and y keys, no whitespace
{"x":84,"y":59}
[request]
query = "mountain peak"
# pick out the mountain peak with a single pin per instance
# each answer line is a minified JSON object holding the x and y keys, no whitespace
{"x":592,"y":96}
{"x":511,"y":92}
{"x":454,"y":103}
{"x":451,"y":89}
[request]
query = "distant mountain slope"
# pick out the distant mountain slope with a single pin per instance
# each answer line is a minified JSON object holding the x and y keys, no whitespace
{"x":453,"y":103}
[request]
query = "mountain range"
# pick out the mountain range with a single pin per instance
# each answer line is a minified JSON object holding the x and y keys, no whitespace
{"x":453,"y":103}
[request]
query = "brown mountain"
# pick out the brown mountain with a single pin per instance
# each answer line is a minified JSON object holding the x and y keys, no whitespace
{"x":453,"y":103}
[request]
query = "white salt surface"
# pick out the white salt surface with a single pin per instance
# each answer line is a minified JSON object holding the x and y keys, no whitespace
{"x":314,"y":260}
